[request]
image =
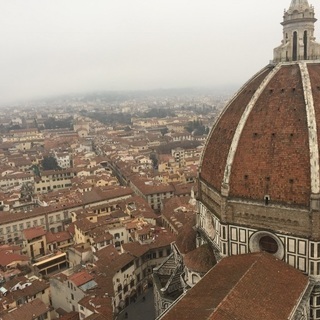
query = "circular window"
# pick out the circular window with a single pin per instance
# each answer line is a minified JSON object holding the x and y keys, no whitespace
{"x":268,"y":244}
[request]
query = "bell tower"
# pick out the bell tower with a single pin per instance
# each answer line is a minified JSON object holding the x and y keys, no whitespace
{"x":298,"y":34}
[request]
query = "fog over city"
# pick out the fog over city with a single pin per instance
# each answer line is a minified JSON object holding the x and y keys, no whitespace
{"x":57,"y":47}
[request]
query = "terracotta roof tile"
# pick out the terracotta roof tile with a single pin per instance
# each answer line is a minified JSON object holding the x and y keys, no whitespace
{"x":32,"y":233}
{"x":6,"y":258}
{"x":29,"y":291}
{"x":29,"y":311}
{"x":80,"y":278}
{"x":58,"y":237}
{"x":186,"y":239}
{"x":98,"y":305}
{"x":243,"y":287}
{"x":201,"y":259}
{"x":70,"y":316}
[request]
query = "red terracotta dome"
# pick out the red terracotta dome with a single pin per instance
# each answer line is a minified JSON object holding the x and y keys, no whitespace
{"x":265,"y":144}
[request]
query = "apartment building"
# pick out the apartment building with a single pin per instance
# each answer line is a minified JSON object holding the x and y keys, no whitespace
{"x":68,"y":289}
{"x":63,"y":159}
{"x":16,"y":179}
{"x":56,"y":216}
{"x":51,"y":180}
{"x":152,"y":191}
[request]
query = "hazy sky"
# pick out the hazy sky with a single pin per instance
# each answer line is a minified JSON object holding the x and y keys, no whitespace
{"x":50,"y":47}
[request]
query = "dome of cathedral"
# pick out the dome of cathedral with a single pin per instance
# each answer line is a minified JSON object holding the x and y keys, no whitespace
{"x":265,"y":144}
{"x":260,"y":166}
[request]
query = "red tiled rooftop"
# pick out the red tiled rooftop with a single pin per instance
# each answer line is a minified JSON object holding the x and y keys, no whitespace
{"x":6,"y":258}
{"x":243,"y":287}
{"x":32,"y":233}
{"x":29,"y":311}
{"x":80,"y":278}
{"x":201,"y":259}
{"x":58,"y":237}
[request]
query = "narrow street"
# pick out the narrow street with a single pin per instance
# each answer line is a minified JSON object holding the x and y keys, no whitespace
{"x":141,"y":310}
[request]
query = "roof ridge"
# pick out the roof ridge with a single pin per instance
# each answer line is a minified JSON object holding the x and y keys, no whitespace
{"x":237,"y":284}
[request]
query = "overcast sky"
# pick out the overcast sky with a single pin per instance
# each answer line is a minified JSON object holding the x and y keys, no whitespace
{"x":50,"y":47}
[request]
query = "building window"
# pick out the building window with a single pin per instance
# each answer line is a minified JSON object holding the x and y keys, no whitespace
{"x":268,"y":244}
{"x":223,"y":232}
{"x":311,"y":267}
{"x":72,"y":296}
{"x":295,"y":46}
{"x":312,"y":250}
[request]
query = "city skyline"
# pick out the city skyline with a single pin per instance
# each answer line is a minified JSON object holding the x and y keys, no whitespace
{"x":73,"y":47}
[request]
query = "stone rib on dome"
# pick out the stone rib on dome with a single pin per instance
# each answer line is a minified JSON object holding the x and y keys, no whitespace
{"x":221,"y":136}
{"x":275,"y":153}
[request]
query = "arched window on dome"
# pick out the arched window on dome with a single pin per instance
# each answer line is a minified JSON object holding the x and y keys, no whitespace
{"x":195,"y":278}
{"x":305,"y":45}
{"x":295,"y":46}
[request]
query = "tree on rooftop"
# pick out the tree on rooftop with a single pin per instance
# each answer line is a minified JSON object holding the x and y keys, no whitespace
{"x":154,"y":158}
{"x":164,"y":130}
{"x":197,"y":128}
{"x":158,"y":113}
{"x":53,"y":123}
{"x":35,"y":170}
{"x":49,"y":163}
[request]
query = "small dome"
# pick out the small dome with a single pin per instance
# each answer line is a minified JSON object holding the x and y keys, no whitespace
{"x":186,"y":239}
{"x":200,"y":260}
